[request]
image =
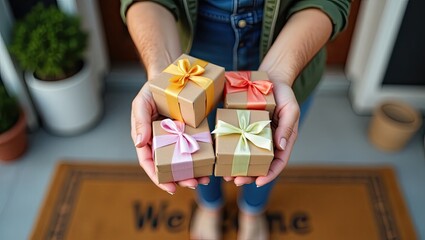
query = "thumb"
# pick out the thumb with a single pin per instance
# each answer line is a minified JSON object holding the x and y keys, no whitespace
{"x":285,"y":119}
{"x":141,"y":121}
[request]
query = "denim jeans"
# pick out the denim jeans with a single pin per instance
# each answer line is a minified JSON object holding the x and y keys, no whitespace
{"x":228,"y":34}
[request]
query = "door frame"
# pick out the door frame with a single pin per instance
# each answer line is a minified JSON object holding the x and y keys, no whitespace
{"x":10,"y":72}
{"x":371,"y":48}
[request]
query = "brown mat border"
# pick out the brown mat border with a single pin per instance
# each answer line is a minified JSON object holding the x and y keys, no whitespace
{"x":71,"y":175}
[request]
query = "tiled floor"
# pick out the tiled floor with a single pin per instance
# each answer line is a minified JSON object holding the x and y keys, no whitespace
{"x":331,"y":135}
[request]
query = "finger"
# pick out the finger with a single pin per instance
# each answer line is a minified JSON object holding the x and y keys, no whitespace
{"x":228,"y":179}
{"x":144,"y":155}
{"x":142,"y":119}
{"x":239,"y":181}
{"x":279,"y":162}
{"x":204,"y":180}
{"x":276,"y":167}
{"x":189,"y":183}
{"x":133,"y":128}
{"x":286,"y":119}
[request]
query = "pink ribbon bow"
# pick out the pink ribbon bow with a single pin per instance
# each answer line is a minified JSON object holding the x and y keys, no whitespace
{"x":181,"y":163}
{"x":241,"y":81}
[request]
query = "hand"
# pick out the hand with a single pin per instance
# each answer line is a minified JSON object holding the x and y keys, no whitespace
{"x":285,"y":130}
{"x":303,"y":35}
{"x":143,"y":112}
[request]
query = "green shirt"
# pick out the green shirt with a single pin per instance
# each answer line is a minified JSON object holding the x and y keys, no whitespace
{"x":276,"y":14}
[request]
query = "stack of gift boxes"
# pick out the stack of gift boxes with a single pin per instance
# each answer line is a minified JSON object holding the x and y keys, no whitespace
{"x":186,"y":92}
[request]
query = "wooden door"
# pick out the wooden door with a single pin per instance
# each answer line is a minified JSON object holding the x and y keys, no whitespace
{"x":120,"y":46}
{"x":338,"y":49}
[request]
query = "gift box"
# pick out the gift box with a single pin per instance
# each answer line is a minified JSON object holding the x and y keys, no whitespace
{"x":188,"y":89}
{"x":181,"y":152}
{"x":249,"y":90}
{"x":243,"y":142}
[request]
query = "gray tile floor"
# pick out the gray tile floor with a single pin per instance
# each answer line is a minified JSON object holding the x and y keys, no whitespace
{"x":331,"y":135}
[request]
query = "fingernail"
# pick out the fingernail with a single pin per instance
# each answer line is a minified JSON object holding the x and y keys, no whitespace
{"x":192,"y":187}
{"x":171,"y":193}
{"x":238,"y":185}
{"x":258,"y":186}
{"x":205,"y":184}
{"x":138,"y":139}
{"x":282,"y":143}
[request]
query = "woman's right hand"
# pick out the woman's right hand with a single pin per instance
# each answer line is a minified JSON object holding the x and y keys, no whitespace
{"x":143,"y":112}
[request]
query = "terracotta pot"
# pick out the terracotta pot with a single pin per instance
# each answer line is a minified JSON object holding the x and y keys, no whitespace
{"x":393,"y":125}
{"x":13,"y":143}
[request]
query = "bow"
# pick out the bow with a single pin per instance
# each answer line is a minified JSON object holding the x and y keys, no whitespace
{"x":257,"y":133}
{"x":181,"y":163}
{"x":241,"y":81}
{"x":182,"y":73}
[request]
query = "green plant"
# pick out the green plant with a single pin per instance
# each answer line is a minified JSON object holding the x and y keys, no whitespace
{"x":9,"y":110}
{"x":49,"y":42}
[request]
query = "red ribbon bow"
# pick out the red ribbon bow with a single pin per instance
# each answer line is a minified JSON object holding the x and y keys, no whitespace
{"x":241,"y":81}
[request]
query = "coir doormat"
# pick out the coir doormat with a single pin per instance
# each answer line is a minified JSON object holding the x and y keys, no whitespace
{"x":104,"y":201}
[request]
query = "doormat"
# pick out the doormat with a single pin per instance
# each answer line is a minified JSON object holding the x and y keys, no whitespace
{"x":117,"y":201}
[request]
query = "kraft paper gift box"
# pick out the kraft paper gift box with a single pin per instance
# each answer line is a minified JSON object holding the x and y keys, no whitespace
{"x":188,"y":89}
{"x":181,"y":152}
{"x":249,"y":90}
{"x":243,"y":143}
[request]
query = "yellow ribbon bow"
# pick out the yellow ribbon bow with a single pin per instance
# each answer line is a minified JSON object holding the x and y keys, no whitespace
{"x":182,"y":73}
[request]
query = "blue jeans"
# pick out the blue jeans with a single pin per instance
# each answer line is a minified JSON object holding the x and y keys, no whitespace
{"x":221,"y":39}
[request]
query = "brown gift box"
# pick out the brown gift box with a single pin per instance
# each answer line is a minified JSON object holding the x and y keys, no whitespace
{"x":203,"y":159}
{"x":238,"y":100}
{"x":225,"y":145}
{"x":192,"y":99}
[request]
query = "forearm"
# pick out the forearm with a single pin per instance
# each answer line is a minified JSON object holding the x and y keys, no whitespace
{"x":153,"y":30}
{"x":305,"y":33}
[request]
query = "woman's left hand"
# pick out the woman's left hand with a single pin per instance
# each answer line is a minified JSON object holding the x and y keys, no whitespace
{"x":303,"y":35}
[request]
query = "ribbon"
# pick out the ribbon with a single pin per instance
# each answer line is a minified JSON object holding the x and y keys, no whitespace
{"x":257,"y":133}
{"x":241,"y":82}
{"x":182,"y":73}
{"x":181,"y":163}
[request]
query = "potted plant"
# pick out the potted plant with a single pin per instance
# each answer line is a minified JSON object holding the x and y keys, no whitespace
{"x":50,"y":45}
{"x":13,"y":136}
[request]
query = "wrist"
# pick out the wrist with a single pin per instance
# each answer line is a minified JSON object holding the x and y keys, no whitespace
{"x":152,"y":71}
{"x":279,"y":76}
{"x":155,"y":65}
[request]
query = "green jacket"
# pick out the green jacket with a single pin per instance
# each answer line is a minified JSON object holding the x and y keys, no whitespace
{"x":276,"y":13}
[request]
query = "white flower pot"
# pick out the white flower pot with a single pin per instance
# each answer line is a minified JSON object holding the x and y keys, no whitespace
{"x":69,"y":106}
